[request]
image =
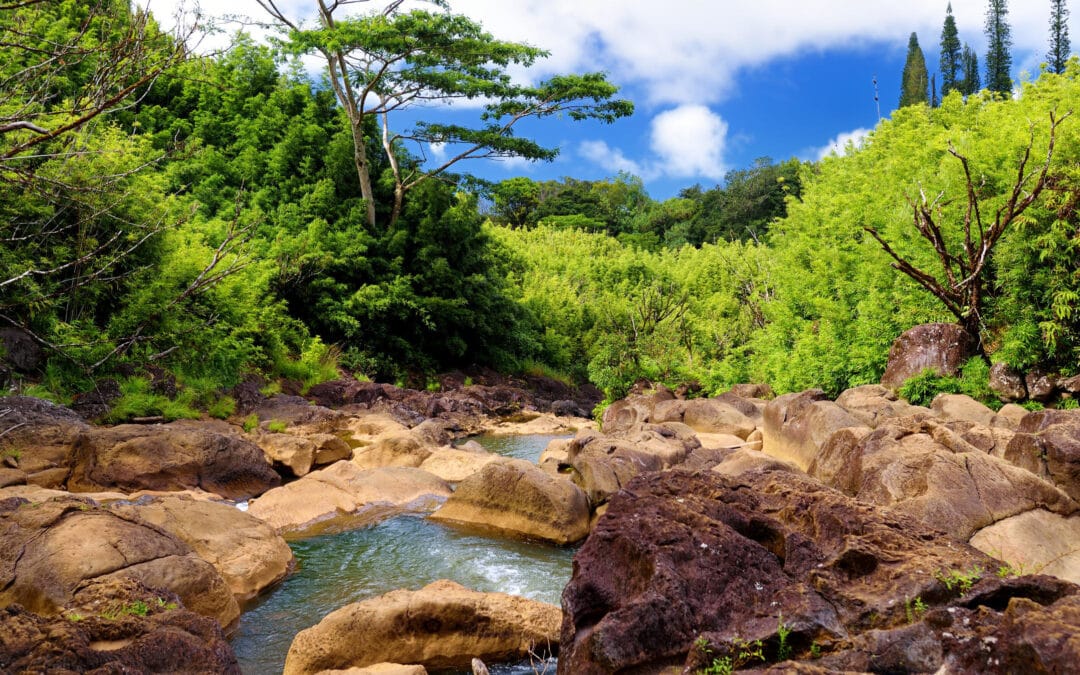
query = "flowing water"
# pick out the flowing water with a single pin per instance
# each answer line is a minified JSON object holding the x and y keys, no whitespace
{"x":404,"y":552}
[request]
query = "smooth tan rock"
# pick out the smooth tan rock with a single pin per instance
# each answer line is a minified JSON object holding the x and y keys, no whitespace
{"x":1009,"y":416}
{"x":453,"y":465}
{"x":962,"y":407}
{"x":902,"y":465}
{"x":555,"y":456}
{"x":721,"y":441}
{"x":742,"y":460}
{"x":1035,"y":542}
{"x":348,"y":495}
{"x":379,"y":669}
{"x":303,"y":453}
{"x":52,"y":549}
{"x":11,"y":477}
{"x":797,"y":425}
{"x":395,"y":449}
{"x":873,"y":403}
{"x":520,"y":498}
{"x":248,"y":554}
{"x":545,"y":424}
{"x":716,"y":416}
{"x":443,"y":625}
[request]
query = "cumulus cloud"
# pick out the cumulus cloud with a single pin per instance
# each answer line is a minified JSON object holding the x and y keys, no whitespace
{"x":690,"y":51}
{"x":610,"y":159}
{"x":689,"y":141}
{"x":839,"y":144}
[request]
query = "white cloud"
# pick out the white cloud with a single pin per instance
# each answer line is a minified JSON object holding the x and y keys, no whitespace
{"x":610,"y":159}
{"x":838,"y":145}
{"x":689,"y":141}
{"x":690,"y":51}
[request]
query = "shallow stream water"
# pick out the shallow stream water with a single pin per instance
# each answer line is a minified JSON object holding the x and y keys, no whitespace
{"x":404,"y":552}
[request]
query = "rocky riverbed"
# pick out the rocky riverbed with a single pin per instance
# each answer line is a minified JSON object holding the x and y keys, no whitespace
{"x":743,"y":530}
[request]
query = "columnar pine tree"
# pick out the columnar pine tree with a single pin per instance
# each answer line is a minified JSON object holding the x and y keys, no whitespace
{"x":915,"y":84}
{"x":1059,"y":36}
{"x":969,"y":66}
{"x":950,"y":64}
{"x":999,"y":39}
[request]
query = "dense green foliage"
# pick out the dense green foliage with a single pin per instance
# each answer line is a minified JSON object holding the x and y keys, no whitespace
{"x":214,"y":224}
{"x":914,"y":82}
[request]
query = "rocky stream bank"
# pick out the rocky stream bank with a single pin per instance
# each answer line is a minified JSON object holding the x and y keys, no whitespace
{"x":787,"y":534}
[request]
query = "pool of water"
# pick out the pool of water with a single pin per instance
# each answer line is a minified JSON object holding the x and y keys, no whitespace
{"x":404,"y":552}
{"x":520,"y":447}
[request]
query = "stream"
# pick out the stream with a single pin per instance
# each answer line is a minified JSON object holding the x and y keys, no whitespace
{"x":407,"y":551}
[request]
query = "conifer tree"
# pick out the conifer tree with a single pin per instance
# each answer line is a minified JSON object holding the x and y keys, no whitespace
{"x":915,"y":83}
{"x":999,"y":39}
{"x":969,"y":65}
{"x":1059,"y":36}
{"x":950,"y":65}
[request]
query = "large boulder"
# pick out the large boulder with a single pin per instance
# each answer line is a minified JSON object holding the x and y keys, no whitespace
{"x":454,"y":465}
{"x":941,"y":347}
{"x":1047,"y":443}
{"x":601,"y":465}
{"x":53,"y":549}
{"x":38,"y":435}
{"x":684,"y":568}
{"x":797,"y":425}
{"x":924,"y":468}
{"x":638,"y":409}
{"x":517,"y":497}
{"x":441,"y":626}
{"x":962,"y":407}
{"x":1007,"y":383}
{"x":344,"y":496}
{"x":1035,"y":542}
{"x":726,"y":414}
{"x":248,"y":554}
{"x":404,"y":448}
{"x":115,"y":626}
{"x":872,"y":404}
{"x":133,"y":457}
{"x":302,"y":453}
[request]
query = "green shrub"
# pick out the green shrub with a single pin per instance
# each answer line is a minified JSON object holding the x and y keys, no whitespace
{"x":223,"y":408}
{"x":974,"y":381}
{"x":137,"y":400}
{"x":276,"y":426}
{"x":251,"y":422}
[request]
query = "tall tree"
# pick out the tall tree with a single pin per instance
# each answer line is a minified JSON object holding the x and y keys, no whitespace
{"x":383,"y":63}
{"x":969,"y":61}
{"x":950,"y":64}
{"x":915,"y":83}
{"x":1059,"y":36}
{"x":999,"y":40}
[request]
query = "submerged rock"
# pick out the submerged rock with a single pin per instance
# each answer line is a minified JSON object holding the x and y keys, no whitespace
{"x":443,"y":625}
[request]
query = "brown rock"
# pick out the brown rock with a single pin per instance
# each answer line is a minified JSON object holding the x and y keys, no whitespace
{"x":1040,"y":386}
{"x":393,"y":449}
{"x":681,"y":556}
{"x":301,"y":454}
{"x":115,"y":626}
{"x":962,"y":407}
{"x":720,"y":416}
{"x":1047,"y":443}
{"x":453,"y":465}
{"x":518,"y":497}
{"x":796,"y":425}
{"x":1007,"y":383}
{"x":873,"y":403}
{"x":54,"y":548}
{"x":905,"y":466}
{"x":379,"y":669}
{"x":40,"y":430}
{"x":11,"y":477}
{"x":440,"y":626}
{"x":248,"y":554}
{"x":343,"y":496}
{"x":942,"y":347}
{"x":133,"y":457}
{"x":761,"y":391}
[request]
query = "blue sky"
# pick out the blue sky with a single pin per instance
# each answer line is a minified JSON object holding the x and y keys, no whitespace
{"x":716,"y":83}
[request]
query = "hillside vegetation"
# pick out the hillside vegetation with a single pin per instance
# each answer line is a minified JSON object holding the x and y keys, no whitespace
{"x":208,"y":222}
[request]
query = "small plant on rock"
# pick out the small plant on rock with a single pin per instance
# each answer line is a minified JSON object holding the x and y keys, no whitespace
{"x":914,"y":609}
{"x":276,"y":426}
{"x":783,"y":648}
{"x":960,"y":580}
{"x":251,"y":422}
